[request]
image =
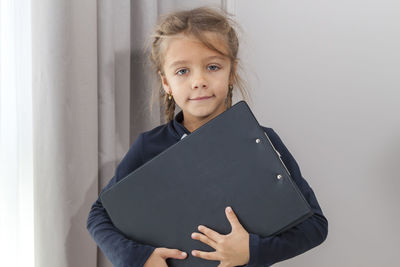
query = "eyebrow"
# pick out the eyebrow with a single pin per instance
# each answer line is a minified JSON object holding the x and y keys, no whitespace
{"x":185,"y":61}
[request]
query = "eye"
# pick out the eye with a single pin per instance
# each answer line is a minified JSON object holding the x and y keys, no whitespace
{"x":182,"y":71}
{"x":213,"y":67}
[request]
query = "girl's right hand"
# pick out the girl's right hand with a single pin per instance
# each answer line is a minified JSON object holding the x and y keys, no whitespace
{"x":160,"y":255}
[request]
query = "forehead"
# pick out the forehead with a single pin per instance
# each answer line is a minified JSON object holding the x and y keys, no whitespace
{"x":188,"y":47}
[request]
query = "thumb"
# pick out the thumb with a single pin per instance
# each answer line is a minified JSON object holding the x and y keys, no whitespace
{"x":232,"y":218}
{"x":172,"y":253}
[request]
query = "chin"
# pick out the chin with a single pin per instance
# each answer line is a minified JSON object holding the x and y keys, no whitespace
{"x":204,"y":113}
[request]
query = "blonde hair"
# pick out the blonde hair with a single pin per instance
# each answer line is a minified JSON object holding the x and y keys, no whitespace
{"x":195,"y":22}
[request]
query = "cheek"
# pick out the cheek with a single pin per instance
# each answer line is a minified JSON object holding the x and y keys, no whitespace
{"x":222,"y":84}
{"x":178,"y":87}
{"x":175,"y":84}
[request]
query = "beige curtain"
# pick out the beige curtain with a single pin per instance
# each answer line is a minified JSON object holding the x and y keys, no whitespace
{"x":82,"y":119}
{"x":66,"y":129}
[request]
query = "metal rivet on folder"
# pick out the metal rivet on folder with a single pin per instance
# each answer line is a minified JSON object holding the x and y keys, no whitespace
{"x":279,"y":176}
{"x":258,"y":140}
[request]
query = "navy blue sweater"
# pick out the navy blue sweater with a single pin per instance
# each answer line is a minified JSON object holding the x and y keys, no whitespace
{"x":264,"y":251}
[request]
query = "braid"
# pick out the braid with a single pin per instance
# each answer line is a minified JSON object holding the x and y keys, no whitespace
{"x":228,"y":100}
{"x":169,"y":108}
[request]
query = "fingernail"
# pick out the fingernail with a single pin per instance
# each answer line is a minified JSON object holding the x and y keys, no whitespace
{"x":229,"y":209}
{"x":183,"y":253}
{"x":193,"y":253}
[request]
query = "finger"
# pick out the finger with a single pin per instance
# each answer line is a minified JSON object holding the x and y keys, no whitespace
{"x":232,"y":218}
{"x":204,"y":239}
{"x":210,"y":233}
{"x":172,"y":253}
{"x":212,"y":256}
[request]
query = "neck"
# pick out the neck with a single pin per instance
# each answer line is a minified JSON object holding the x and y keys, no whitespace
{"x":192,"y":123}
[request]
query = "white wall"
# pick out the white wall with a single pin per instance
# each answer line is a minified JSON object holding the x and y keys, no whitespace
{"x":325,"y":76}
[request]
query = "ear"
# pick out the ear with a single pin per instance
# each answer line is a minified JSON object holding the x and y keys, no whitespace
{"x":164,"y":83}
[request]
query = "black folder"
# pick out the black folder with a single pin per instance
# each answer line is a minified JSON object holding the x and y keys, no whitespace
{"x":229,"y":161}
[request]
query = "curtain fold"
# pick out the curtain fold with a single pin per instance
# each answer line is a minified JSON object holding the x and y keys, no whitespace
{"x":114,"y":91}
{"x":81,"y":120}
{"x":65,"y":126}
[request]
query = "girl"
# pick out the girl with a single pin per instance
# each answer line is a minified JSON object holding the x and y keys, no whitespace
{"x":195,"y":55}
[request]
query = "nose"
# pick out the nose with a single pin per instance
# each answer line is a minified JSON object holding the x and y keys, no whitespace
{"x":199,"y":82}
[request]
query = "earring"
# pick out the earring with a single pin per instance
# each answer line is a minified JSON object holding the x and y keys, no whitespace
{"x":230,"y":87}
{"x":169,"y":96}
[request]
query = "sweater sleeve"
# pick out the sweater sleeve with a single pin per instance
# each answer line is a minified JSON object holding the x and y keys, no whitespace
{"x":265,"y":251}
{"x":121,"y":251}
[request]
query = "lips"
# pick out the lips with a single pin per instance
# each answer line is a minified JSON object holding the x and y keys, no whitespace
{"x":201,"y":98}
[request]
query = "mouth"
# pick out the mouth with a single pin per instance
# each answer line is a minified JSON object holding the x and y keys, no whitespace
{"x":201,"y":98}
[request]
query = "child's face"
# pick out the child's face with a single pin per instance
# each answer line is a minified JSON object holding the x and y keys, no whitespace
{"x":192,"y":70}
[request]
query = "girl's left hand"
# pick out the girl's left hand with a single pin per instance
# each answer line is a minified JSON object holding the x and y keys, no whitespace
{"x":231,"y":249}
